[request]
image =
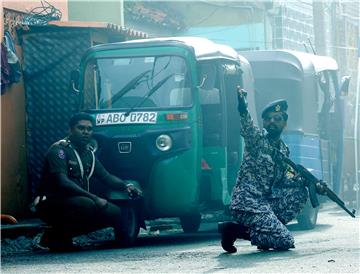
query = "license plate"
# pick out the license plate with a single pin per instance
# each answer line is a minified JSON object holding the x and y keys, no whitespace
{"x":117,"y":118}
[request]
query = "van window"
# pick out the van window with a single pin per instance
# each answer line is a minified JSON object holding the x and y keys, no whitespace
{"x":210,"y":100}
{"x":268,"y":90}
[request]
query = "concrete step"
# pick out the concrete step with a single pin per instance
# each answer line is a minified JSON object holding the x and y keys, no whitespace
{"x":28,"y":227}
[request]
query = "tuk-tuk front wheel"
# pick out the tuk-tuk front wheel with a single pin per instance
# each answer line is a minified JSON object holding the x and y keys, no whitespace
{"x":127,"y":234}
{"x":191,"y":222}
{"x":308,"y":217}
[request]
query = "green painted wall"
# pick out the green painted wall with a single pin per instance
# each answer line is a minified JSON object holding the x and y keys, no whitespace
{"x":236,"y":24}
{"x":216,"y":14}
{"x":98,"y":11}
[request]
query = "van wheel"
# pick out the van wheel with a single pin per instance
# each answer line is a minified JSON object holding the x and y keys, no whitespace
{"x":190,"y":223}
{"x":308,"y":217}
{"x":126,"y":235}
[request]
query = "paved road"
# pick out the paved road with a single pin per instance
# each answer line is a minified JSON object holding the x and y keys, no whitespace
{"x":332,"y":247}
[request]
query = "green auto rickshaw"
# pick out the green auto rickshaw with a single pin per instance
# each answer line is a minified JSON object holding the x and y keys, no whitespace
{"x":166,"y":118}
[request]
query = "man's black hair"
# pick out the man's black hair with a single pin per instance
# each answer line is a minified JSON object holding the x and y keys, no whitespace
{"x":80,"y":116}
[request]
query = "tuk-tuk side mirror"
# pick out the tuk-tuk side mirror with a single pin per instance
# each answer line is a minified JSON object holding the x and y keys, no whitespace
{"x":344,"y":87}
{"x":74,"y":80}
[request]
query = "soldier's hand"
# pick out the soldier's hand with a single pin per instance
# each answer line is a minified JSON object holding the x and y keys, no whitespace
{"x":242,"y":104}
{"x":242,"y":93}
{"x":300,"y":179}
{"x":321,"y":188}
{"x":133,"y":191}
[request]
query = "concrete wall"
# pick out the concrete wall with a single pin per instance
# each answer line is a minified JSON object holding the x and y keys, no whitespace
{"x":15,"y":194}
{"x":14,"y":184}
{"x":27,"y":5}
{"x":96,"y":10}
{"x":211,"y":14}
{"x":238,"y":25}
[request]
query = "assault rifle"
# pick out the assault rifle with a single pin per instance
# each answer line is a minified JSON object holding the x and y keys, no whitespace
{"x":315,"y":185}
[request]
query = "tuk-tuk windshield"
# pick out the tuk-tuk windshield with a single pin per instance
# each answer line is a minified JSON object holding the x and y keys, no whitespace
{"x":137,"y":82}
{"x":268,"y":90}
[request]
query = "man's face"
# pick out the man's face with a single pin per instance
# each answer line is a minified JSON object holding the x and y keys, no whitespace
{"x":81,"y":133}
{"x":274,"y":123}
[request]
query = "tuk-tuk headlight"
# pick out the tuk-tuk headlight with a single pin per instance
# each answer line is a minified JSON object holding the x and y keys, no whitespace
{"x":163,"y":142}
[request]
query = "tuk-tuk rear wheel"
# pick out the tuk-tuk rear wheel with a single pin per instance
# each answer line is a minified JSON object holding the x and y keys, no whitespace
{"x":191,"y":222}
{"x":127,"y":235}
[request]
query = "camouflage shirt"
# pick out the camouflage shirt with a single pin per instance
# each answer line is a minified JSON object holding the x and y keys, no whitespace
{"x":259,"y":176}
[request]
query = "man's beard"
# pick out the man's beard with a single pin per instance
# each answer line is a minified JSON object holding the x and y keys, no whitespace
{"x":273,"y":132}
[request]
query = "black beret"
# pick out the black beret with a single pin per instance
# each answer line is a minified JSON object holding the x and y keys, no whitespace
{"x":275,"y":106}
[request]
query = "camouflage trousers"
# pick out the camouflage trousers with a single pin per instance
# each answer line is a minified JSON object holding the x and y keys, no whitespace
{"x":267,"y":229}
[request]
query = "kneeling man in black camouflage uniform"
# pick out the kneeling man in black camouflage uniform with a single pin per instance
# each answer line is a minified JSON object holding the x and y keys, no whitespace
{"x":265,"y":196}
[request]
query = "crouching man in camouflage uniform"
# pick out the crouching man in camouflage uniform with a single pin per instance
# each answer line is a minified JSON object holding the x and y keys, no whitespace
{"x":265,"y":197}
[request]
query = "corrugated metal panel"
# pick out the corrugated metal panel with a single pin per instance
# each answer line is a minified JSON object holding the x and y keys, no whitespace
{"x":49,"y":56}
{"x":50,"y":53}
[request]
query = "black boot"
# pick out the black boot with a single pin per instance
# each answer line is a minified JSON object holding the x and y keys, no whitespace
{"x":228,"y":231}
{"x":242,"y":232}
{"x":57,"y":243}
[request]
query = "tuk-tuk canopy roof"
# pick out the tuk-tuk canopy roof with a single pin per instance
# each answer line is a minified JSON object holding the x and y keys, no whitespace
{"x":301,"y":61}
{"x":243,"y":60}
{"x":319,"y":62}
{"x":203,"y":48}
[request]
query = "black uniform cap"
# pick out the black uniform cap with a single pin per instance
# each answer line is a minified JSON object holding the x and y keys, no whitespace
{"x":275,"y":106}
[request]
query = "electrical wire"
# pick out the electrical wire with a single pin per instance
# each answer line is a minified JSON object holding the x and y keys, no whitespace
{"x":206,"y":17}
{"x":42,"y":15}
